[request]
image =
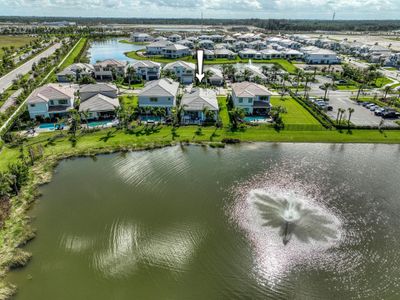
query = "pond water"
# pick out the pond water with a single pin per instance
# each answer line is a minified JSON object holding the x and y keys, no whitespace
{"x":111,"y":49}
{"x":256,"y":221}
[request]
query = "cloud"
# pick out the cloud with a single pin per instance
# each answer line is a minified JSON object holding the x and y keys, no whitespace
{"x":357,"y":9}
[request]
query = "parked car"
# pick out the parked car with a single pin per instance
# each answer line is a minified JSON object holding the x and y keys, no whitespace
{"x":329,"y":108}
{"x":390,"y":114}
{"x":365,"y":104}
{"x":379,"y":111}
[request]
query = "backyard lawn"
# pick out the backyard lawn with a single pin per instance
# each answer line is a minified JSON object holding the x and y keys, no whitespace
{"x":128,"y":101}
{"x":296,"y":114}
{"x":223,"y":111}
{"x":16,"y":41}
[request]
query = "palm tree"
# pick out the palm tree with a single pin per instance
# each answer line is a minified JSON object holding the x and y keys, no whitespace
{"x":236,"y":114}
{"x":131,"y":74}
{"x":299,"y":75}
{"x":307,"y":79}
{"x":74,"y":122}
{"x":326,"y":87}
{"x":342,"y":111}
{"x":388,"y":89}
{"x":351,"y":110}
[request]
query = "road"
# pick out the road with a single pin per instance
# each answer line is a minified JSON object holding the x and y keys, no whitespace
{"x":7,"y":80}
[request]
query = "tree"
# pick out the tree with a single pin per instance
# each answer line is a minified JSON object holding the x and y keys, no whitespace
{"x":388,"y":89}
{"x":326,"y":87}
{"x":351,"y":110}
{"x":236,"y":115}
{"x":74,"y":122}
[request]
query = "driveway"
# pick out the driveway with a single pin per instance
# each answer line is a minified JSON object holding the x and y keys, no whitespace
{"x":7,"y":80}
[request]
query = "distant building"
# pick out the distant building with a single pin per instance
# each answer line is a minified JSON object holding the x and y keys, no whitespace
{"x":147,"y":70}
{"x":217,"y":78}
{"x":176,"y":51}
{"x":105,"y":69}
{"x":321,"y":56}
{"x":157,"y":47}
{"x":140,"y":37}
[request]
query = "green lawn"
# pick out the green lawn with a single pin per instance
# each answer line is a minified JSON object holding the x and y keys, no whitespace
{"x":282,"y":63}
{"x":74,"y":54}
{"x":382,"y":81}
{"x":296,"y":114}
{"x":346,"y":87}
{"x":223,"y":111}
{"x":16,"y":41}
{"x":133,"y":43}
{"x":107,"y":140}
{"x":128,"y":101}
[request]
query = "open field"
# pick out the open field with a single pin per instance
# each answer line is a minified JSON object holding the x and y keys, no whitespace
{"x":282,"y":63}
{"x":16,"y":41}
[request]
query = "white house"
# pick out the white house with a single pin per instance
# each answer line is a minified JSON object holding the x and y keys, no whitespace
{"x":184,"y":71}
{"x":106,"y":68}
{"x":252,"y":97}
{"x":50,"y":101}
{"x":147,"y":70}
{"x":140,"y":37}
{"x":89,"y":90}
{"x":157,"y":47}
{"x":196,"y":103}
{"x":250,"y":53}
{"x":99,"y":107}
{"x":206,"y":44}
{"x":159,"y":93}
{"x":321,"y":56}
{"x":174,"y":38}
{"x":176,"y":51}
{"x":224,"y":53}
{"x":216,"y":78}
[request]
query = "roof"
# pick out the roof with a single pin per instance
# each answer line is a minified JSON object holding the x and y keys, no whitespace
{"x":49,"y":92}
{"x":215,"y":71}
{"x":198,"y":99}
{"x":179,"y":63}
{"x":97,"y":88}
{"x":176,"y":47}
{"x":161,"y":87}
{"x":145,"y":64}
{"x":249,"y":89}
{"x":158,"y":44}
{"x":223,"y":51}
{"x":110,"y":62}
{"x":99,"y":103}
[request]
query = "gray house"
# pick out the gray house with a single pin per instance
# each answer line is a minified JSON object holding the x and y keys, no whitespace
{"x":99,"y":107}
{"x":147,"y":70}
{"x":159,"y":93}
{"x":196,"y":103}
{"x":89,"y":90}
{"x":75,"y":72}
{"x":184,"y":71}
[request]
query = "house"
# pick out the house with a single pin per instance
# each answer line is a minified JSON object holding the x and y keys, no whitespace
{"x":184,"y":71}
{"x":176,"y":51}
{"x":250,"y":53}
{"x":99,"y":107}
{"x":206,"y":44}
{"x":157,"y":47}
{"x":208,"y":54}
{"x":186,"y":43}
{"x":107,"y":68}
{"x":224,"y":53}
{"x":270,"y":54}
{"x":50,"y":101}
{"x":74,"y":72}
{"x":292,"y":54}
{"x":147,"y":70}
{"x":174,"y":38}
{"x":252,"y":97}
{"x":159,"y":93}
{"x":196,"y":104}
{"x":89,"y":90}
{"x":320,"y":56}
{"x":217,"y":78}
{"x":140,"y":37}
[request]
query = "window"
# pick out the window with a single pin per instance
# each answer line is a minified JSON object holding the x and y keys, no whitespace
{"x":263,"y":98}
{"x":153,"y":99}
{"x":51,"y":102}
{"x":32,"y":105}
{"x":63,"y":102}
{"x":240,"y":100}
{"x":250,"y":100}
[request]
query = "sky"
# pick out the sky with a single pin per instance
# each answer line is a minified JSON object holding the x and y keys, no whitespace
{"x":288,"y":9}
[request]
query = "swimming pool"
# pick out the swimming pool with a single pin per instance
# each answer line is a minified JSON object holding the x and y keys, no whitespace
{"x":150,"y":118}
{"x":98,"y":123}
{"x":49,"y":126}
{"x":255,"y":119}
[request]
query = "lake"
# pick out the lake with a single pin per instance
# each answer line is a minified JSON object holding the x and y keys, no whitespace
{"x":111,"y":49}
{"x":255,"y":221}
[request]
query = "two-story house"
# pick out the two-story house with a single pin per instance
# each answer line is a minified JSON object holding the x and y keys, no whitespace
{"x":176,"y":51}
{"x":50,"y":101}
{"x":109,"y":68}
{"x":184,"y":71}
{"x":159,"y":93}
{"x":89,"y":90}
{"x":157,"y":47}
{"x":253,"y":98}
{"x":147,"y":70}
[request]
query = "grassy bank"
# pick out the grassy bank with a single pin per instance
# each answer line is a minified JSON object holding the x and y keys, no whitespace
{"x":133,"y":43}
{"x":282,"y":63}
{"x":74,"y":54}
